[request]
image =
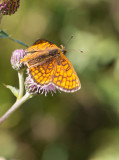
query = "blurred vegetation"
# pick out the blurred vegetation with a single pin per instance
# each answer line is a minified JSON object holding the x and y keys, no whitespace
{"x":82,"y":125}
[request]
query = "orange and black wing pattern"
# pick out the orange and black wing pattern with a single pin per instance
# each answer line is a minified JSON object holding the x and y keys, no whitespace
{"x":38,"y":52}
{"x":42,"y":73}
{"x":41,"y":44}
{"x":64,"y":76}
{"x":56,"y":69}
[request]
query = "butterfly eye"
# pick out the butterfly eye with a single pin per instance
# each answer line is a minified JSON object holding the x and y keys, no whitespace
{"x":64,"y":51}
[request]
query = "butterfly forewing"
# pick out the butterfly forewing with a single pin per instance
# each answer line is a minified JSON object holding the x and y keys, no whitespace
{"x":40,"y":51}
{"x":41,"y":44}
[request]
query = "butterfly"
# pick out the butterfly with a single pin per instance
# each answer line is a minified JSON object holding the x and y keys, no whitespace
{"x":48,"y":65}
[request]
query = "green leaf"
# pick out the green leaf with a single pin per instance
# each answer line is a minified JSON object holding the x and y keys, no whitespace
{"x":14,"y":90}
{"x":3,"y":34}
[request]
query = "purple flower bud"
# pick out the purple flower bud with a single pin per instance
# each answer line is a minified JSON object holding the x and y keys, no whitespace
{"x":8,"y":7}
{"x":17,"y":55}
{"x":34,"y":88}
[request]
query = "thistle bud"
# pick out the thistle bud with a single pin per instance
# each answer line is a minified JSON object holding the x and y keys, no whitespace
{"x":8,"y":7}
{"x":16,"y":57}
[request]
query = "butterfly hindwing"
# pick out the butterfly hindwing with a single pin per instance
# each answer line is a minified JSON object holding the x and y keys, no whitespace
{"x":42,"y":74}
{"x":64,"y":76}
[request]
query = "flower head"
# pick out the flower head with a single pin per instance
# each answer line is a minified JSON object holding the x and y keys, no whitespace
{"x":16,"y":57}
{"x":34,"y":88}
{"x":8,"y":7}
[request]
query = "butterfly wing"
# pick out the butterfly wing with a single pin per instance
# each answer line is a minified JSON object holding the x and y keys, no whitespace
{"x":64,"y":75}
{"x":35,"y":58}
{"x":42,"y":73}
{"x":38,"y":52}
{"x":57,"y":71}
{"x":41,"y":44}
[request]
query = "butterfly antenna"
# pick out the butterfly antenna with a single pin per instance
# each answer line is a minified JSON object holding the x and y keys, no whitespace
{"x":72,"y":36}
{"x":76,"y":50}
{"x":69,"y":41}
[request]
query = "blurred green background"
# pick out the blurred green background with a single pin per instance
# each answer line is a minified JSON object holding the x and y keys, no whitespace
{"x":78,"y":126}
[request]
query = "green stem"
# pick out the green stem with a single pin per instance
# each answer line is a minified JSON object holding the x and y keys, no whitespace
{"x":21,"y":84}
{"x":15,"y":40}
{"x":16,"y":105}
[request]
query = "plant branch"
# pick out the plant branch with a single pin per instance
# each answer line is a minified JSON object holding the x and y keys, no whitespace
{"x":16,"y":105}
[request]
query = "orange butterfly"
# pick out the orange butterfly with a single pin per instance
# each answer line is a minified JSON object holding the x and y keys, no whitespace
{"x":48,"y":65}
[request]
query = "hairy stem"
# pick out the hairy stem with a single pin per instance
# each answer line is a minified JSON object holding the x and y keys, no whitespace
{"x":21,"y":84}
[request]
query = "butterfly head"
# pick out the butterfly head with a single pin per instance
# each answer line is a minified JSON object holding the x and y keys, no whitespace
{"x":63,"y":50}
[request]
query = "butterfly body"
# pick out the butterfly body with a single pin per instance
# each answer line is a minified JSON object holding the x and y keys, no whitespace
{"x":47,"y":65}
